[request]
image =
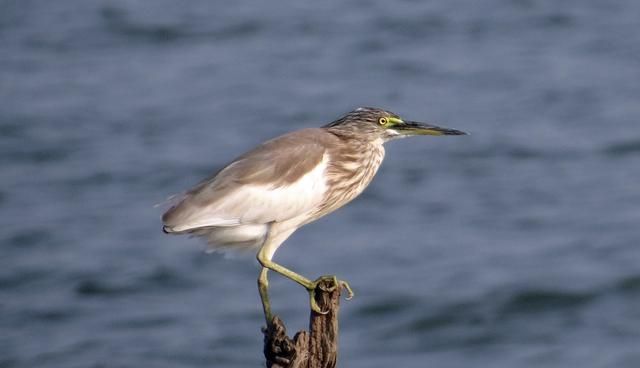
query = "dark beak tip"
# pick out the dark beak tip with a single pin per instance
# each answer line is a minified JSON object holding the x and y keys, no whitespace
{"x":455,"y":132}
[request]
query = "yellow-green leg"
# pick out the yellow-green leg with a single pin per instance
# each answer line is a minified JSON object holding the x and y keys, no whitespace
{"x":263,"y":284}
{"x":263,"y":288}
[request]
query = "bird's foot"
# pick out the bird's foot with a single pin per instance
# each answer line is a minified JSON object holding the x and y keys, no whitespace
{"x":329,"y":284}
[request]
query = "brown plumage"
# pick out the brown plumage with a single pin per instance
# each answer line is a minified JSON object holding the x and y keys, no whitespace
{"x":263,"y":196}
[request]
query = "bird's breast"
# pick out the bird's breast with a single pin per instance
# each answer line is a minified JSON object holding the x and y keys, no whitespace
{"x":348,"y":173}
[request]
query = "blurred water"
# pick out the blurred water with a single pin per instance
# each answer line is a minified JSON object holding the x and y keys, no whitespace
{"x":513,"y":247}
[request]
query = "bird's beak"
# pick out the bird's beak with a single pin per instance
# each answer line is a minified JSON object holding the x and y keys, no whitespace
{"x":416,"y":128}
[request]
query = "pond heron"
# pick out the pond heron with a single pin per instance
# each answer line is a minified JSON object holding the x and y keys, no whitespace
{"x":259,"y":199}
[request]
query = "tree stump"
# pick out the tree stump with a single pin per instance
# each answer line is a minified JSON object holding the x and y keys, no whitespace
{"x":316,"y":348}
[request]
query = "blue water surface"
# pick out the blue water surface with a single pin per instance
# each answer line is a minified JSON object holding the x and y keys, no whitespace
{"x":516,"y":246}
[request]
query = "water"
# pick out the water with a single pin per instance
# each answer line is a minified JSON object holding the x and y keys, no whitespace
{"x":516,"y":246}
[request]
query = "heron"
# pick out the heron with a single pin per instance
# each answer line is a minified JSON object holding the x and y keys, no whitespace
{"x":259,"y":199}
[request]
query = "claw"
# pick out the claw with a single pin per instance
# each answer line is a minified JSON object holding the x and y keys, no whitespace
{"x":345,"y":285}
{"x":330,"y":286}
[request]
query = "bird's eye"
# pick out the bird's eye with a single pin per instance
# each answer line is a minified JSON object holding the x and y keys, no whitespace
{"x":383,"y":121}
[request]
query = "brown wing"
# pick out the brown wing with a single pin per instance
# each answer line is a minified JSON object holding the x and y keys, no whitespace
{"x":278,"y":180}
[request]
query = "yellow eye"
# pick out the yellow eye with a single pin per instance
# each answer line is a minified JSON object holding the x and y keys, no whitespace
{"x":383,"y":121}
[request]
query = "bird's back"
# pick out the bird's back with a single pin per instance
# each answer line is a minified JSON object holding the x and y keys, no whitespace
{"x":269,"y":183}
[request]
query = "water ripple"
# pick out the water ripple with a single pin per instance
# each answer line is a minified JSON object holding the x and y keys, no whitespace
{"x":160,"y":278}
{"x":119,"y":22}
{"x":142,"y":323}
{"x":18,"y":279}
{"x":51,"y":315}
{"x":498,"y":308}
{"x":623,"y":149}
{"x":540,"y":300}
{"x":93,"y":287}
{"x":628,"y":285}
{"x":29,"y":237}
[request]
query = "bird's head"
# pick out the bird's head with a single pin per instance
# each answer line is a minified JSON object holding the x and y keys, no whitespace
{"x":372,"y":124}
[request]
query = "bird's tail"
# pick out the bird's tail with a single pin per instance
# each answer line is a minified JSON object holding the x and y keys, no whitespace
{"x":169,"y":230}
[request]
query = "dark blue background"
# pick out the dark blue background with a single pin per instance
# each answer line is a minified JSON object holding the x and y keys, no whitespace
{"x":516,"y":246}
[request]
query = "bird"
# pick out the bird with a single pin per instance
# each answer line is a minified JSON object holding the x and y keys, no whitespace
{"x":259,"y":199}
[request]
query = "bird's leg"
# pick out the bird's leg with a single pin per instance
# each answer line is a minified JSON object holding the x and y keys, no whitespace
{"x":263,"y":288}
{"x":305,"y":282}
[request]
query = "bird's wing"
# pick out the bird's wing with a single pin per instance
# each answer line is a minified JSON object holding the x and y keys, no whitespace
{"x":278,"y":180}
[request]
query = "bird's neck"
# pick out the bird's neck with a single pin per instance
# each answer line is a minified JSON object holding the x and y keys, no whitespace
{"x":352,"y":166}
{"x":352,"y":136}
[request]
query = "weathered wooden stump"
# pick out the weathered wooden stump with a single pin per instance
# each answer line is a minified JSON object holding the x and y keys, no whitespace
{"x":316,"y":348}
